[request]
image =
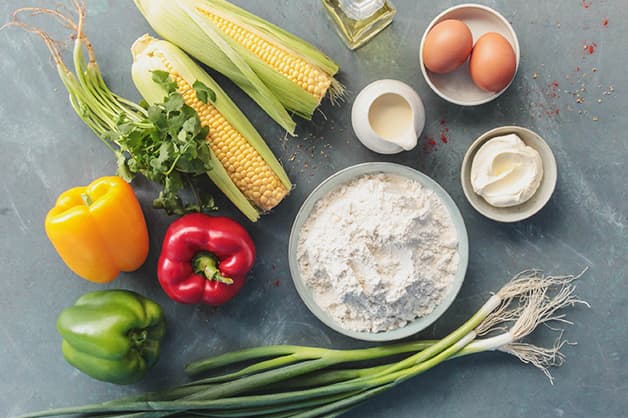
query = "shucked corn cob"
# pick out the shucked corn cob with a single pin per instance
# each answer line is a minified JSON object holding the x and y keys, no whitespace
{"x":280,"y":71}
{"x":248,"y":172}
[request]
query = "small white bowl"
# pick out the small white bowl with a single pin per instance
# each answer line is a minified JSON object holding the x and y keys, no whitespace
{"x":458,"y":87}
{"x":343,"y":177}
{"x":536,"y":202}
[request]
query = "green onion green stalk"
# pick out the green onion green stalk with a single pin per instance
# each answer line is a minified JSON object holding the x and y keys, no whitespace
{"x":296,"y":381}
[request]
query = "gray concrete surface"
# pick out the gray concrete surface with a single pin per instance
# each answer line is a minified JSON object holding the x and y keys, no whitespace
{"x":47,"y":149}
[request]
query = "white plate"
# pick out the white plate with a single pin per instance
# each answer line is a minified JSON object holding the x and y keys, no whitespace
{"x":458,"y":87}
{"x":342,"y":177}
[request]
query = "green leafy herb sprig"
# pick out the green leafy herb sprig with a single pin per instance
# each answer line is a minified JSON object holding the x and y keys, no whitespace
{"x":165,"y":142}
{"x":168,"y":147}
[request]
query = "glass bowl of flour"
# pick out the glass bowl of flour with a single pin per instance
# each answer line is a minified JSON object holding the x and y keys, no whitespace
{"x":378,"y":251}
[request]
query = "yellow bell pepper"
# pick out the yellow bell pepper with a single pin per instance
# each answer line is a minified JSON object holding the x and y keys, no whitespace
{"x":99,"y":230}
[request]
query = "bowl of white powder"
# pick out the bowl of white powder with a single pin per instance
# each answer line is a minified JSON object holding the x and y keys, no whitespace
{"x":378,"y":251}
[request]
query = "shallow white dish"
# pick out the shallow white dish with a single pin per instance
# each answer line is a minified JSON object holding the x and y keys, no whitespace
{"x":536,"y":202}
{"x":458,"y":87}
{"x":342,"y":177}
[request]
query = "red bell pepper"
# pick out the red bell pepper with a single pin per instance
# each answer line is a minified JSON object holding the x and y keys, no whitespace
{"x":205,"y":259}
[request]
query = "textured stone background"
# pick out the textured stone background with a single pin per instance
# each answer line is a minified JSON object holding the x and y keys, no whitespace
{"x":46,"y":149}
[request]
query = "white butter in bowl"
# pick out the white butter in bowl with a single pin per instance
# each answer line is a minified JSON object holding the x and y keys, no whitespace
{"x":508,"y":174}
{"x":505,"y":171}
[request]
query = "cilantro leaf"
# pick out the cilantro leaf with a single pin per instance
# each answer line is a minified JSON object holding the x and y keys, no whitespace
{"x":173,"y":103}
{"x":204,"y":93}
{"x":191,"y":125}
{"x":160,"y":162}
{"x":164,"y":80}
{"x":123,"y":169}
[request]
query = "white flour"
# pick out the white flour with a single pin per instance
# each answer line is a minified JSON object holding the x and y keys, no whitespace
{"x":378,"y":252}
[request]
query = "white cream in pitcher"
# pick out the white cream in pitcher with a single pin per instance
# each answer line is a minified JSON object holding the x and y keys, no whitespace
{"x":390,"y":116}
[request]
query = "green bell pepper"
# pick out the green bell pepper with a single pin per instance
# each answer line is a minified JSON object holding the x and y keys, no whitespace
{"x":112,"y":335}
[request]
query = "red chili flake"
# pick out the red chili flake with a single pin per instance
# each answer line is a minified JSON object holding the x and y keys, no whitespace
{"x":277,"y":283}
{"x":577,"y":69}
{"x":590,"y":48}
{"x":553,"y":89}
{"x":605,"y":22}
{"x":586,"y":4}
{"x":429,"y":144}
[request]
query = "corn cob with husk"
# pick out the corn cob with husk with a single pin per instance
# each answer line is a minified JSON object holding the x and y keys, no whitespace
{"x":248,"y":173}
{"x":280,"y":71}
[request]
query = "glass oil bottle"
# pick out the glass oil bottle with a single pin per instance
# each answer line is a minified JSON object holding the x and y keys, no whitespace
{"x":357,"y":21}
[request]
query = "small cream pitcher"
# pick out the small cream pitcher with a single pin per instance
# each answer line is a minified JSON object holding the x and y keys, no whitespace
{"x":388,"y":117}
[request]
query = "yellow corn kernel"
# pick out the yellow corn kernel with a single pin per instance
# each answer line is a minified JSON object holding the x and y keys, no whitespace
{"x":307,"y":76}
{"x":246,"y":167}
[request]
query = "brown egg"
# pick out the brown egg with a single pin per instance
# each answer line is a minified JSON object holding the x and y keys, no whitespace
{"x":447,"y":46}
{"x":493,"y":62}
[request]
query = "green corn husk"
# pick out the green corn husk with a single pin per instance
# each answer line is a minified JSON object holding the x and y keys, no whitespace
{"x":145,"y":62}
{"x":182,"y":23}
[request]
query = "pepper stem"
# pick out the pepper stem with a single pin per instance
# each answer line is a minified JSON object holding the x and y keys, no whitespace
{"x":86,"y":199}
{"x":138,"y":337}
{"x":205,"y":264}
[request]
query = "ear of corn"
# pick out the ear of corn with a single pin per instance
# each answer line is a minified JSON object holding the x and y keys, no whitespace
{"x":257,"y":55}
{"x":248,"y":173}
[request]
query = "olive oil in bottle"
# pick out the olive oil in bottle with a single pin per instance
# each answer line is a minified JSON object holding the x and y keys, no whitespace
{"x":357,"y":21}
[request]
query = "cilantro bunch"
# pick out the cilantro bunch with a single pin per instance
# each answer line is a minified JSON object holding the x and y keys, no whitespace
{"x":167,"y":146}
